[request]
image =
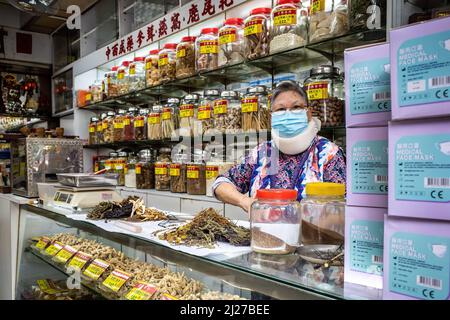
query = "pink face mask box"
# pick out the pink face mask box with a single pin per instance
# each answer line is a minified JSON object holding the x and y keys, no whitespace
{"x":419,"y":169}
{"x":420,"y":70}
{"x":367,"y":167}
{"x":416,"y":259}
{"x":364,"y":234}
{"x":368,"y":86}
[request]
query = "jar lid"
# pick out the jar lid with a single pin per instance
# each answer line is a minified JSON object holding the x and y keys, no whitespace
{"x":325,"y":189}
{"x":234,"y":22}
{"x":173,"y":100}
{"x":126,"y":63}
{"x":111,"y":113}
{"x":123,"y":154}
{"x":132,"y":109}
{"x":103,"y":116}
{"x":115,"y":68}
{"x":211,"y":93}
{"x":165,"y":150}
{"x":143,"y":111}
{"x":260,"y":11}
{"x":287,"y":1}
{"x":324,"y":70}
{"x":113,"y":154}
{"x":170,"y":46}
{"x":231,"y":94}
{"x":210,"y":30}
{"x":146,"y":153}
{"x":155,"y":51}
{"x":121,"y":112}
{"x":192,"y":96}
{"x":139,"y":59}
{"x":257,"y":89}
{"x":277,"y":194}
{"x":94,"y":119}
{"x":157,"y":108}
{"x":188,"y":39}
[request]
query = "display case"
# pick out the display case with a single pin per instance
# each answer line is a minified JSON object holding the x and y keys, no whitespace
{"x":244,"y":275}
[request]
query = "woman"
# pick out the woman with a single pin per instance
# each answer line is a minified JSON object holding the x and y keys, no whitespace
{"x":295,"y":156}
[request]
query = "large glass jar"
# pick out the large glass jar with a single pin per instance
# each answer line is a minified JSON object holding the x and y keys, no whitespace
{"x":255,"y":110}
{"x":93,"y":131}
{"x":145,"y":170}
{"x":128,"y":124}
{"x":97,"y":91}
{"x":204,"y":112}
{"x":154,"y":129}
{"x":323,"y":220}
{"x":207,"y":50}
{"x":325,"y":89}
{"x":178,"y":173}
{"x":162,"y":174}
{"x":123,"y":78}
{"x":167,"y":62}
{"x":119,"y":126}
{"x":186,"y":57}
{"x":140,"y":125}
{"x":289,"y":25}
{"x":196,"y":174}
{"x":256,"y":33}
{"x":137,"y":74}
{"x":130,"y":171}
{"x":215,"y":166}
{"x":275,"y":222}
{"x":111,"y":83}
{"x":99,"y":128}
{"x":151,"y":68}
{"x":108,"y":127}
{"x":187,"y":110}
{"x":328,"y":18}
{"x":110,"y":163}
{"x":227,"y":113}
{"x":169,"y":118}
{"x":119,"y":167}
{"x":231,"y":42}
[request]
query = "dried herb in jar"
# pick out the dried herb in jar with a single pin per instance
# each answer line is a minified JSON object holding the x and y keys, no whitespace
{"x":256,"y":33}
{"x":140,"y":125}
{"x":207,"y":49}
{"x":185,"y":65}
{"x":178,"y":178}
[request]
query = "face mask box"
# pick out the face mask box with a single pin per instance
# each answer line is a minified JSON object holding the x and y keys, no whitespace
{"x":419,"y":169}
{"x":367,"y":167}
{"x":368,"y":86}
{"x":364,"y":234}
{"x":416,"y":259}
{"x":420,"y":65}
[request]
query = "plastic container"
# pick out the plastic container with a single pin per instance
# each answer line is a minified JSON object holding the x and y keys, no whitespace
{"x":93,"y":139}
{"x":328,"y":18}
{"x":145,"y":170}
{"x":130,"y":171}
{"x":140,"y":125}
{"x":128,"y":124}
{"x":325,"y":89}
{"x":205,"y":112}
{"x":154,"y":129}
{"x":123,"y":78}
{"x":207,"y":49}
{"x":108,"y":127}
{"x":136,"y":73}
{"x":110,"y":80}
{"x":119,"y":121}
{"x":99,"y":129}
{"x":255,"y":110}
{"x":196,"y":174}
{"x":189,"y":105}
{"x":231,"y":42}
{"x":170,"y":118}
{"x":178,"y":173}
{"x":120,"y":166}
{"x":227,"y":113}
{"x":151,"y":69}
{"x":256,"y":33}
{"x":97,"y":91}
{"x":275,"y":222}
{"x":162,"y":174}
{"x":323,"y":220}
{"x":110,"y":164}
{"x":167,"y":62}
{"x":289,"y":26}
{"x":185,"y":57}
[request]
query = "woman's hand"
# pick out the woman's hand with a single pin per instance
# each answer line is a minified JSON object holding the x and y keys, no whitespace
{"x":227,"y":193}
{"x":246,"y":203}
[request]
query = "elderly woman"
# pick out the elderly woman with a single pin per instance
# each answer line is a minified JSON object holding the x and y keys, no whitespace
{"x":295,"y":156}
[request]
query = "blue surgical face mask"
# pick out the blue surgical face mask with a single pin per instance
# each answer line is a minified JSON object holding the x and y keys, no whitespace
{"x":289,"y":124}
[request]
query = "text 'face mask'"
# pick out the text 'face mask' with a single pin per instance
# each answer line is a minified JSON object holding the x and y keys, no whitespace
{"x":288,"y":123}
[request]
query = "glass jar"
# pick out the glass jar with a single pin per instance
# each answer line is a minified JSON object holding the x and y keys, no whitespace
{"x":256,"y":33}
{"x":119,"y":126}
{"x":323,"y":220}
{"x":123,"y":78}
{"x":328,"y":18}
{"x":97,"y":92}
{"x":289,"y":26}
{"x":227,"y":113}
{"x":207,"y":50}
{"x":169,"y":118}
{"x":167,"y":62}
{"x":110,"y":163}
{"x":111,"y":83}
{"x":136,"y":73}
{"x":231,"y":42}
{"x":119,"y":167}
{"x":108,"y":127}
{"x":255,"y":111}
{"x":154,"y":129}
{"x":275,"y":222}
{"x":151,"y":68}
{"x":325,"y":89}
{"x":187,"y":109}
{"x":186,"y":57}
{"x":128,"y":124}
{"x":93,"y":131}
{"x":196,"y":174}
{"x":204,"y":113}
{"x":140,"y":125}
{"x":162,"y":174}
{"x":130,"y":171}
{"x":145,"y":170}
{"x":178,"y":173}
{"x":99,"y":129}
{"x":215,"y":166}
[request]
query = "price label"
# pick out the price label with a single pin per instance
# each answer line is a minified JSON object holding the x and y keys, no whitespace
{"x":181,"y":53}
{"x":116,"y":280}
{"x":65,"y":254}
{"x":317,"y":6}
{"x":121,"y":75}
{"x":139,"y":122}
{"x":88,"y":96}
{"x":220,"y":107}
{"x":209,"y":47}
{"x":227,"y":35}
{"x":204,"y":113}
{"x":127,"y":122}
{"x":105,"y":125}
{"x":193,"y":172}
{"x":317,"y":91}
{"x":160,"y":169}
{"x":100,"y":127}
{"x":254,"y":26}
{"x":167,"y":296}
{"x":154,"y":118}
{"x":132,"y":70}
{"x":92,"y":128}
{"x":167,"y":114}
{"x":175,"y":170}
{"x":118,"y":124}
{"x":96,"y":269}
{"x":138,"y":169}
{"x":42,"y":243}
{"x":212,"y":172}
{"x":54,"y":248}
{"x":163,"y":59}
{"x":285,"y":17}
{"x":141,"y":291}
{"x":186,"y":111}
{"x":48,"y":286}
{"x":249,"y":104}
{"x":79,"y":260}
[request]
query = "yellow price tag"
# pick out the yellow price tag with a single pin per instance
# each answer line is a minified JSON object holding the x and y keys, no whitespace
{"x":141,"y":291}
{"x":79,"y":260}
{"x":88,"y":97}
{"x":163,"y":60}
{"x":118,"y":124}
{"x":127,"y":122}
{"x":65,"y":254}
{"x":92,"y":128}
{"x":209,"y":47}
{"x":54,"y":248}
{"x":204,"y":113}
{"x":317,"y":91}
{"x":227,"y":36}
{"x":160,"y":169}
{"x":96,"y":269}
{"x":42,"y":243}
{"x":193,"y":172}
{"x":154,"y":119}
{"x":138,"y":169}
{"x":100,"y":127}
{"x":186,"y":111}
{"x":249,"y":104}
{"x":116,"y":280}
{"x":175,"y":170}
{"x":139,"y":122}
{"x":167,"y":114}
{"x":212,"y":172}
{"x":317,"y":6}
{"x":253,"y":27}
{"x":181,"y":53}
{"x":285,"y":17}
{"x":47,"y":286}
{"x":220,"y":107}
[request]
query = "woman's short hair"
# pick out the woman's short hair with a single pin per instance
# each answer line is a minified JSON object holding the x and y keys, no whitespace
{"x":286,"y":86}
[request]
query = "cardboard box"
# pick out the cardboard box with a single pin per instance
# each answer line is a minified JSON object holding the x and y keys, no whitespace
{"x":420,"y":70}
{"x":367,"y":167}
{"x":368,"y":86}
{"x":419,"y":169}
{"x":416,"y":259}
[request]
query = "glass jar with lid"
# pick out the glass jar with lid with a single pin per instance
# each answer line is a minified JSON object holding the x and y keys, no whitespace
{"x":196,"y":174}
{"x":128,"y":124}
{"x":289,"y":25}
{"x":255,"y":111}
{"x":256,"y":33}
{"x":99,"y":129}
{"x":186,"y":57}
{"x":119,"y":126}
{"x":110,"y":163}
{"x":170,"y":118}
{"x":323,"y":220}
{"x":119,"y":167}
{"x":140,"y":125}
{"x":93,"y":130}
{"x":167,"y":62}
{"x":325,"y":89}
{"x":328,"y":18}
{"x":275,"y":222}
{"x":145,"y":170}
{"x":108,"y":127}
{"x":231,"y":42}
{"x":111,"y":83}
{"x":136,"y":73}
{"x":215,"y":166}
{"x":227,"y":113}
{"x":162,"y":174}
{"x":207,"y":50}
{"x":130,"y":171}
{"x":97,"y":91}
{"x":151,"y":68}
{"x":187,"y":110}
{"x":154,"y":128}
{"x":204,"y":113}
{"x":178,"y":173}
{"x":123,"y":78}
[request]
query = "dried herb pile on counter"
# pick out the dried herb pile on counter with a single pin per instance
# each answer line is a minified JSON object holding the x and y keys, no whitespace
{"x":206,"y":229}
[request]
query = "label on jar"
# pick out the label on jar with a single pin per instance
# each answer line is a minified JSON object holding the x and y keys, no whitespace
{"x":116,"y":280}
{"x":148,"y":64}
{"x":228,"y":35}
{"x":132,"y":70}
{"x":121,"y":75}
{"x":167,"y":114}
{"x":88,"y":96}
{"x":92,"y":128}
{"x":220,"y":106}
{"x":125,"y":169}
{"x":422,"y":168}
{"x":105,"y":125}
{"x":96,"y":269}
{"x":193,"y":172}
{"x":79,"y":260}
{"x":366,"y":249}
{"x":317,"y":90}
{"x":254,"y":26}
{"x":65,"y":254}
{"x":163,"y":59}
{"x":160,"y":169}
{"x":186,"y":111}
{"x":141,"y":291}
{"x":209,"y":46}
{"x":138,"y":168}
{"x":370,"y":167}
{"x":317,"y":6}
{"x":441,"y":13}
{"x":118,"y":124}
{"x":181,"y":53}
{"x":212,"y":172}
{"x":155,"y":118}
{"x":423,"y":75}
{"x":48,"y":287}
{"x":54,"y":248}
{"x":42,"y":243}
{"x":100,"y":127}
{"x":419,"y":265}
{"x":285,"y":17}
{"x":204,"y":113}
{"x":175,"y":170}
{"x":127,"y":121}
{"x":139,"y":122}
{"x":249,"y":104}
